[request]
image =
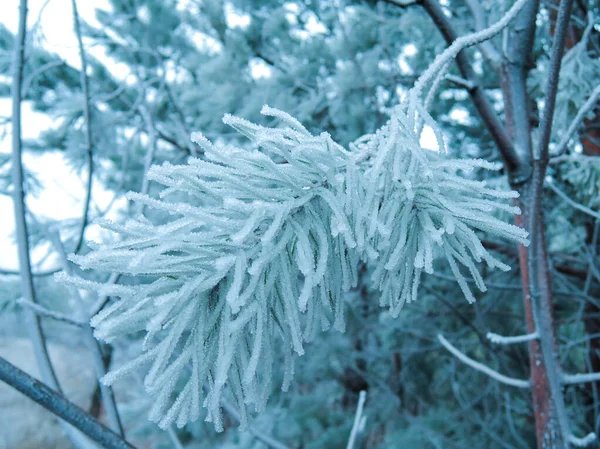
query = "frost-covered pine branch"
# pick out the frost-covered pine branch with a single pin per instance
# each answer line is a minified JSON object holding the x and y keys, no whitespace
{"x":223,"y":273}
{"x":260,"y":244}
{"x":251,"y":250}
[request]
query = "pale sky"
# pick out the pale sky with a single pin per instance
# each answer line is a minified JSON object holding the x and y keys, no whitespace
{"x":62,"y":193}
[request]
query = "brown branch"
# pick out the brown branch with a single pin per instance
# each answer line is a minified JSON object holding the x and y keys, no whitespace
{"x":480,"y":101}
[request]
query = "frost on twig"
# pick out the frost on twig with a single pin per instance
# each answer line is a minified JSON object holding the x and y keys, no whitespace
{"x":359,"y":420}
{"x":502,"y":340}
{"x":519,"y":383}
{"x":583,"y":442}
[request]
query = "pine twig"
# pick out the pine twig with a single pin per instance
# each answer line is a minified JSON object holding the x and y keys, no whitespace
{"x":88,"y":127}
{"x":558,"y":48}
{"x":358,"y":419}
{"x":42,"y":311}
{"x":519,"y":383}
{"x":480,"y":101}
{"x":587,"y":107}
{"x":59,"y":406}
{"x":174,"y":438}
{"x":34,"y":274}
{"x":572,"y":203}
{"x":503,"y":340}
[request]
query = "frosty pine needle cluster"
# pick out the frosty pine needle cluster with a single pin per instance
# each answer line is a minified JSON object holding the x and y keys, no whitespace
{"x":263,"y":243}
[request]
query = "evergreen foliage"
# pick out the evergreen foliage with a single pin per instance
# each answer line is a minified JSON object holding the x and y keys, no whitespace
{"x":239,"y":247}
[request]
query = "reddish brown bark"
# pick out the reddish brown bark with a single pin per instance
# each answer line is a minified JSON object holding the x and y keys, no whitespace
{"x":539,"y":379}
{"x":590,"y":141}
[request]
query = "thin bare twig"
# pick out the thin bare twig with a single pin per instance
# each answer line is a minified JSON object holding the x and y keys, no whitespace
{"x":583,"y":442}
{"x":519,"y":383}
{"x":174,"y":438}
{"x":150,"y":152}
{"x":570,"y":379}
{"x":558,"y":48}
{"x":44,"y":312}
{"x":358,"y":419}
{"x":480,"y":101}
{"x":27,"y":289}
{"x":38,"y":274}
{"x":572,"y":203}
{"x":587,"y":106}
{"x":503,"y":340}
{"x":268,"y":440}
{"x":488,"y":49}
{"x":87,"y":116}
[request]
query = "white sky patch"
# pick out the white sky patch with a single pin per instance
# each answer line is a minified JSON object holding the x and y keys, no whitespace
{"x":428,"y":140}
{"x":314,"y":26}
{"x":61,"y":197}
{"x":143,"y":14}
{"x":235,"y":19}
{"x":405,"y":69}
{"x":259,"y":69}
{"x":410,"y":50}
{"x":401,"y":92}
{"x":291,"y":18}
{"x":51,"y":23}
{"x":292,"y":7}
{"x":203,"y":42}
{"x":460,"y":115}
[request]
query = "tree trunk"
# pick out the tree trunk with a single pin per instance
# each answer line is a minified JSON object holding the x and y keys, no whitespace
{"x":548,"y":403}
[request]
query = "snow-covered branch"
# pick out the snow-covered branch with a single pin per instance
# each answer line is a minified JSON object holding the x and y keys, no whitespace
{"x":502,"y":340}
{"x":358,"y":420}
{"x":519,"y":383}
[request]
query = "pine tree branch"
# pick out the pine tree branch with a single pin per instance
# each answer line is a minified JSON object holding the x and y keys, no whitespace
{"x":517,"y":50}
{"x":538,"y":279}
{"x":480,"y":101}
{"x":87,"y":117}
{"x":519,"y":383}
{"x":59,"y":406}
